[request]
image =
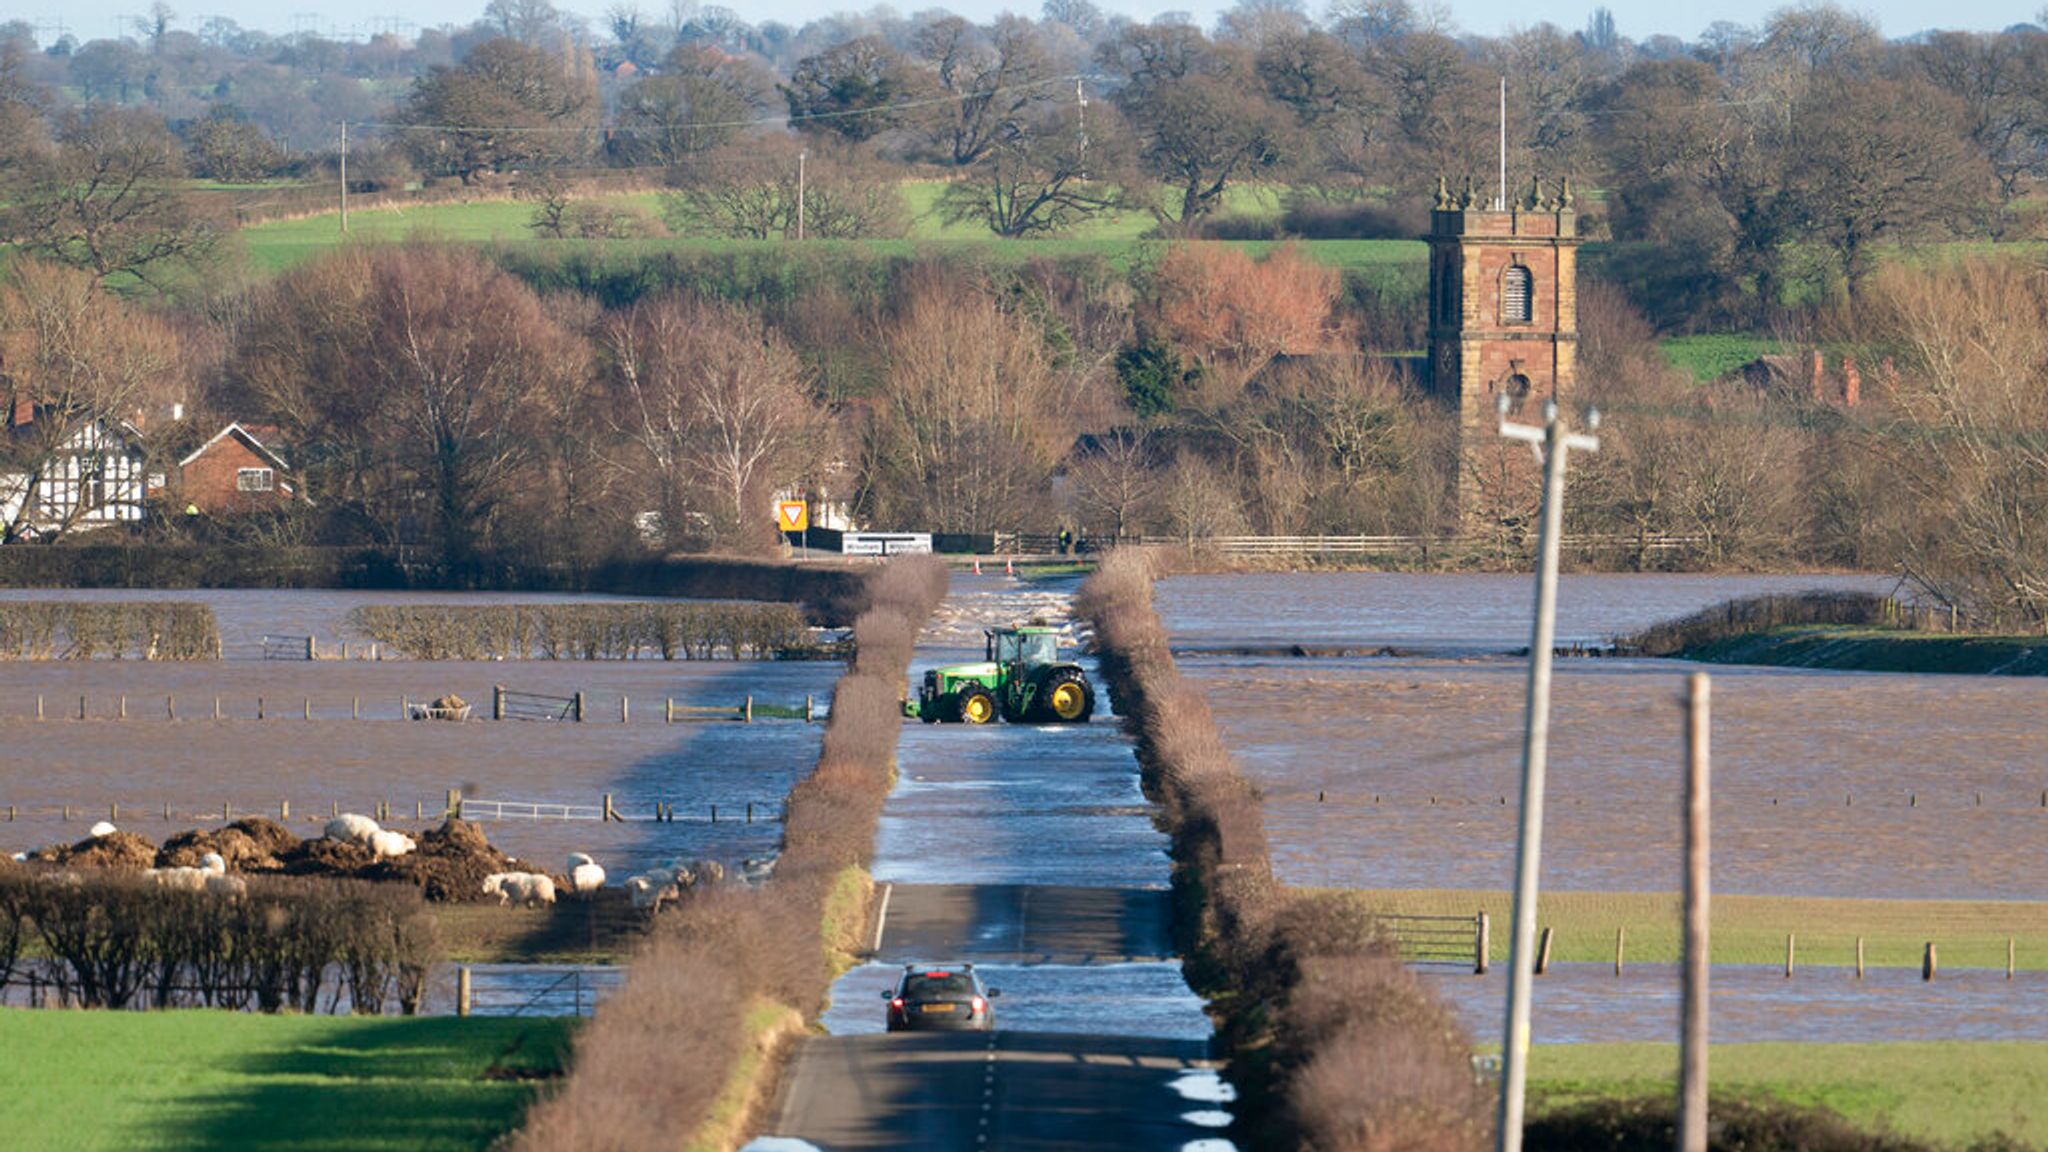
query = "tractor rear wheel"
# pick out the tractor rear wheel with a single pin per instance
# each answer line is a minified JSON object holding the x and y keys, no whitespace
{"x":1067,"y":697}
{"x":974,"y":705}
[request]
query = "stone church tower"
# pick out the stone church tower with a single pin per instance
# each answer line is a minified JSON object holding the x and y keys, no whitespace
{"x":1503,"y":318}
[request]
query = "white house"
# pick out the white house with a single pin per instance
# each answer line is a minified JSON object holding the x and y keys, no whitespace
{"x":93,"y":478}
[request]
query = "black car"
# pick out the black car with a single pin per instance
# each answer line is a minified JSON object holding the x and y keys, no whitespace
{"x":931,"y":997}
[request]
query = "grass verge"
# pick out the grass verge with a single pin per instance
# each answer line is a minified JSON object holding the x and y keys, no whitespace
{"x":768,"y":1029}
{"x":84,"y":1081}
{"x":1750,"y":929}
{"x":1852,"y":649}
{"x":1947,"y":1092}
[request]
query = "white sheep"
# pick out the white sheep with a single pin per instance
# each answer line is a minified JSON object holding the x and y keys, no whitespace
{"x":227,"y":887}
{"x":214,"y":863}
{"x":180,"y":879}
{"x":101,"y":830}
{"x":650,"y":890}
{"x":522,"y":888}
{"x":709,"y":872}
{"x":352,"y":828}
{"x":757,"y":869}
{"x":390,"y":845}
{"x":585,"y":875}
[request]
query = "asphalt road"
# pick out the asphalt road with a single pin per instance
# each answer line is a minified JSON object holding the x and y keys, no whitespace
{"x":1029,"y":851}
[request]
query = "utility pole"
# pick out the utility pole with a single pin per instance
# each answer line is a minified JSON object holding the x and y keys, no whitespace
{"x":1553,"y":443}
{"x":1692,"y":1014}
{"x":800,"y":154}
{"x":1081,"y":121}
{"x":344,"y":175}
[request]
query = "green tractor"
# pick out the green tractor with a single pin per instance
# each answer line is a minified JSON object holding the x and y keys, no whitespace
{"x":1023,"y":680}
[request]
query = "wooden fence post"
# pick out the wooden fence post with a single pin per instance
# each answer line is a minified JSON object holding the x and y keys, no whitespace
{"x":579,"y":707}
{"x":123,"y":707}
{"x":216,"y":707}
{"x":355,"y":707}
{"x":610,"y":813}
{"x":259,"y":707}
{"x":497,"y":701}
{"x":625,"y":715}
{"x":1543,"y":953}
{"x":1790,"y":939}
{"x":462,"y":991}
{"x":81,"y":707}
{"x":2010,"y":957}
{"x":312,"y":648}
{"x":1482,"y":945}
{"x":1859,"y":957}
{"x":1620,"y":946}
{"x":454,"y":810}
{"x":669,"y":712}
{"x":39,"y":716}
{"x":750,"y":709}
{"x":227,"y":812}
{"x":309,"y":707}
{"x":170,"y":708}
{"x":284,"y":811}
{"x":1930,"y":963}
{"x":810,"y":714}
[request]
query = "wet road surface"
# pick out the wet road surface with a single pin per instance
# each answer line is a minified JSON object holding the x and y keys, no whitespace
{"x":1030,"y":852}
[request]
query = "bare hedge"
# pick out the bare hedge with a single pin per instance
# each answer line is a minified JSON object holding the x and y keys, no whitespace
{"x":648,"y":1071}
{"x":669,"y":630}
{"x":1334,"y":1045}
{"x":115,"y":940}
{"x":107,"y":629}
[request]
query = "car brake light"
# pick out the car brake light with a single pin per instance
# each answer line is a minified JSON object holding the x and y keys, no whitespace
{"x":936,"y":975}
{"x":896,"y":1003}
{"x":980,"y":1005}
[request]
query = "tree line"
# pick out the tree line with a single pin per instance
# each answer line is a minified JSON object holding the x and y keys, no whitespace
{"x":1737,"y":170}
{"x":474,"y":404}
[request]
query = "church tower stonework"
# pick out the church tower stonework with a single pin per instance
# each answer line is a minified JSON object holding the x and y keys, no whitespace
{"x":1503,"y":318}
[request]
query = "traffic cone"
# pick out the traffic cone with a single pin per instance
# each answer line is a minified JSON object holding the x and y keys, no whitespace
{"x":1009,"y":569}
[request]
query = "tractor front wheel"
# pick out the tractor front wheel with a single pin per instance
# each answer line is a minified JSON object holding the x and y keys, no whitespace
{"x":1068,"y":699}
{"x":975,"y":705}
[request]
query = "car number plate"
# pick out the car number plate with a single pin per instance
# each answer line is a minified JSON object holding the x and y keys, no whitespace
{"x":930,"y":1008}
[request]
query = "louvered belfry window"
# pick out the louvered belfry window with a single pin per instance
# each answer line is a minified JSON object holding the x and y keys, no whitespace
{"x":1517,"y":295}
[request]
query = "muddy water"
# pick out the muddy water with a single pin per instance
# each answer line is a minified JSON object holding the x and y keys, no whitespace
{"x":1445,"y":612}
{"x":1584,"y":1003}
{"x":1392,"y":774}
{"x":196,"y":764}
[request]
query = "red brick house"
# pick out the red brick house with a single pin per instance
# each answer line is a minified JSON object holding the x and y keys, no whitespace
{"x":236,"y":471}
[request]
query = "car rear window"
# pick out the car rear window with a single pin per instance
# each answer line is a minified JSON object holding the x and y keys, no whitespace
{"x":926,"y":985}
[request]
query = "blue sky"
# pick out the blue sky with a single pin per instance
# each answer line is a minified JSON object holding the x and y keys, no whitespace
{"x":90,"y":19}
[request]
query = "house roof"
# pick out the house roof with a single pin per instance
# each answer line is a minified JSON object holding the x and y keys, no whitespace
{"x":243,"y":433}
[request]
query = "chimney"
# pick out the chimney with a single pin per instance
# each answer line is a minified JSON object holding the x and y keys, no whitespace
{"x":1852,"y":383}
{"x":22,"y":411}
{"x":1816,"y":373}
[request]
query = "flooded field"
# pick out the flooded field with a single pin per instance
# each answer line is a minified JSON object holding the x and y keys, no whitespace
{"x":1445,"y":613}
{"x":1586,"y":1003}
{"x":1393,"y":774}
{"x":196,"y":764}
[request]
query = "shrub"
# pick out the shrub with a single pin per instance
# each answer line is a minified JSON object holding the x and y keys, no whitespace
{"x":668,"y":629}
{"x":107,"y":629}
{"x":727,"y":953}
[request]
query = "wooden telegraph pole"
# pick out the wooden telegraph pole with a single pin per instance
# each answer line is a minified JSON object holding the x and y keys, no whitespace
{"x":1692,"y":1024}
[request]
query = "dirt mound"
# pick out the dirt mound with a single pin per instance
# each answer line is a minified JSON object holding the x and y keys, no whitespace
{"x":270,"y":837}
{"x":322,"y":857}
{"x":451,"y":863}
{"x":116,"y":851}
{"x":242,"y":851}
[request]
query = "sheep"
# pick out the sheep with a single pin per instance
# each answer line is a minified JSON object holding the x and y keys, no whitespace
{"x":180,"y":879}
{"x":585,"y":875}
{"x":757,"y":869}
{"x":227,"y":887}
{"x":214,"y":863}
{"x":351,"y":827}
{"x":650,"y":890}
{"x":390,"y":845}
{"x":101,"y":830}
{"x":522,"y":888}
{"x":709,"y":872}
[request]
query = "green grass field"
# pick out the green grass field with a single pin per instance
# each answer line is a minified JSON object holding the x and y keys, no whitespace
{"x":1714,"y":355}
{"x":1752,"y":929}
{"x":279,"y":244}
{"x":87,"y":1081}
{"x":1951,"y":1092}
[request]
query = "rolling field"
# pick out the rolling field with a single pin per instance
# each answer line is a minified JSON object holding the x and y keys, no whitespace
{"x":220,"y":1080}
{"x":1752,"y":929}
{"x":1940,"y":1091}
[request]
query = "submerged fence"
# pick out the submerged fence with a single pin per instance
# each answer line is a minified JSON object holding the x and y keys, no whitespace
{"x":507,"y":704}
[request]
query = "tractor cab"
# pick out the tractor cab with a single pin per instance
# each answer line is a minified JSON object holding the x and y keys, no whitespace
{"x":1027,"y":646}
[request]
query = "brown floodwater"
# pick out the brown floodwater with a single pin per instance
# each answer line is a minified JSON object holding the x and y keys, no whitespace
{"x":196,"y":764}
{"x":1404,"y":774}
{"x":1447,"y":612}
